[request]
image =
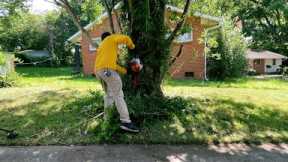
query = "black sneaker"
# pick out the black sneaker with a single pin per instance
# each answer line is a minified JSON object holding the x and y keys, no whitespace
{"x":129,"y":127}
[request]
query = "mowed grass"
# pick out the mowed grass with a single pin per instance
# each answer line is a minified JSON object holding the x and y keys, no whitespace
{"x":51,"y":106}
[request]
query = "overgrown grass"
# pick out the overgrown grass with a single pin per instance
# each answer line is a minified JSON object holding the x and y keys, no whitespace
{"x":53,"y":107}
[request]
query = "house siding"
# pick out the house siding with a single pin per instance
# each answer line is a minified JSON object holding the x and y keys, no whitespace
{"x":191,"y":60}
{"x":273,"y":68}
{"x":192,"y":57}
{"x":261,"y":68}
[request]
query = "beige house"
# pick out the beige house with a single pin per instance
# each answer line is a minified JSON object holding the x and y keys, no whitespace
{"x":264,"y":62}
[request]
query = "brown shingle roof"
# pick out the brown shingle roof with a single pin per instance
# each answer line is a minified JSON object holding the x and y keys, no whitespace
{"x":251,"y":54}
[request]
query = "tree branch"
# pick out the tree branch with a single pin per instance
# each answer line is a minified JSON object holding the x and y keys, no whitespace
{"x":109,"y":10}
{"x":118,"y":20}
{"x":181,"y":22}
{"x":177,"y":56}
{"x":65,"y":4}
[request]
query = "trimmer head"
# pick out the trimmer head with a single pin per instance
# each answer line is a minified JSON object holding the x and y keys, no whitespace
{"x":136,"y":65}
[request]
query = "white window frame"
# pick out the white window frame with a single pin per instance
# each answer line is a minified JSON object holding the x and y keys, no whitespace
{"x":190,"y":39}
{"x":97,"y":40}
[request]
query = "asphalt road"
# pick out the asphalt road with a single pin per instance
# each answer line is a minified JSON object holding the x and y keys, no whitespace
{"x":147,"y":153}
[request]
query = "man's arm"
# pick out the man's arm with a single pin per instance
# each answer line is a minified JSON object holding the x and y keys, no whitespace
{"x":124,"y":39}
{"x":121,"y":69}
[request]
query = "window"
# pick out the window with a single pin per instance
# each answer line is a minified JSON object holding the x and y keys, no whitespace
{"x":186,"y":34}
{"x":185,"y":37}
{"x":257,"y":62}
{"x":189,"y":74}
{"x":96,"y":41}
{"x":274,"y":61}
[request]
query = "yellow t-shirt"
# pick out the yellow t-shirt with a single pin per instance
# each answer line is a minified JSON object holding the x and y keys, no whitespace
{"x":107,"y":52}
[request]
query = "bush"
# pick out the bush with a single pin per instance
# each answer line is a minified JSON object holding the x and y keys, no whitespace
{"x":227,"y":58}
{"x":251,"y":72}
{"x":9,"y":80}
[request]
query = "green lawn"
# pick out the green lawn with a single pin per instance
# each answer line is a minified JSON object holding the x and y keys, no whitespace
{"x":50,"y":106}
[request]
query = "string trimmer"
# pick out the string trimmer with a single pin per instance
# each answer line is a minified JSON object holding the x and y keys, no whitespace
{"x":11,"y":134}
{"x":135,"y":67}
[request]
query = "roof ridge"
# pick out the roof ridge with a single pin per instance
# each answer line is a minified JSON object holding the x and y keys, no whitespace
{"x":119,"y":5}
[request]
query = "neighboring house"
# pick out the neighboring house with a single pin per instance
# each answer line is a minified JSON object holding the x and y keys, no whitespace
{"x":8,"y":66}
{"x":264,"y":62}
{"x":190,"y":64}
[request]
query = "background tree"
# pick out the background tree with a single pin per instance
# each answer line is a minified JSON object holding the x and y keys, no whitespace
{"x":226,"y":53}
{"x":147,"y":27}
{"x":11,"y":7}
{"x":266,"y":21}
{"x":25,"y":31}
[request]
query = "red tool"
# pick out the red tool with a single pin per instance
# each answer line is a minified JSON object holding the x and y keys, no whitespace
{"x":136,"y":67}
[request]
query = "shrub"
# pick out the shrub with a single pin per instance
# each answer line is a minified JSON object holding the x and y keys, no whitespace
{"x":9,"y":80}
{"x":251,"y":72}
{"x":227,"y":58}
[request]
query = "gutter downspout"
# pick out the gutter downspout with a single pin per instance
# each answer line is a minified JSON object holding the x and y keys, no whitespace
{"x":206,"y":40}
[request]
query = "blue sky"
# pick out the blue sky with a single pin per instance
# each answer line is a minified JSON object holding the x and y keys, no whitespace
{"x":41,"y":6}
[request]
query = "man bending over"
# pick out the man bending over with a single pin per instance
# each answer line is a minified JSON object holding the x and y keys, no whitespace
{"x":107,"y":70}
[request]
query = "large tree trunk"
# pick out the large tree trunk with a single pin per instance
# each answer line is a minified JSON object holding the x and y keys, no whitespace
{"x":148,"y":33}
{"x":146,"y":21}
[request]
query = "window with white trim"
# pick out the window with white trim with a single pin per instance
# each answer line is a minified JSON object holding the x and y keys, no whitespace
{"x":186,"y":34}
{"x":186,"y":37}
{"x":96,"y":42}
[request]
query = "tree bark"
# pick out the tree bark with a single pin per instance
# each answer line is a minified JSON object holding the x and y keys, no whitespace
{"x":152,"y":47}
{"x":77,"y":60}
{"x":152,"y":39}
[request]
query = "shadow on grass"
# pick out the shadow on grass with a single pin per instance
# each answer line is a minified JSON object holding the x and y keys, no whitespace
{"x":61,"y":118}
